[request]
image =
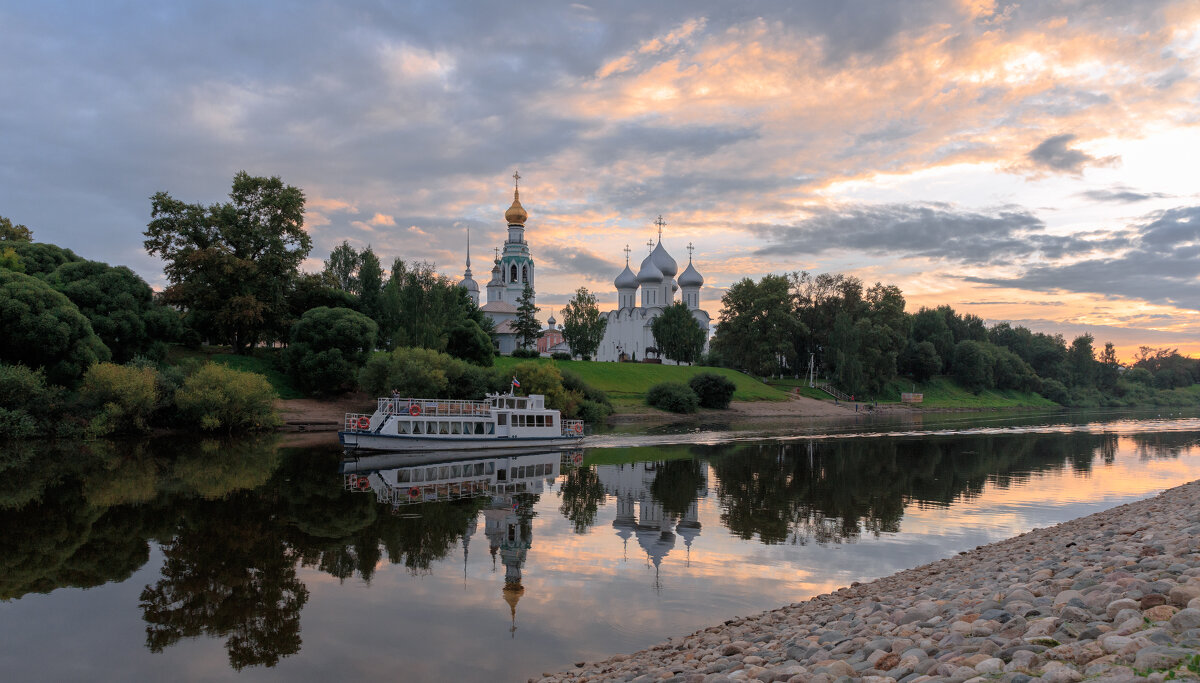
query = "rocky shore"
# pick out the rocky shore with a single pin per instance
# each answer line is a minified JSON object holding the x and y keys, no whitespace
{"x":1113,"y":596}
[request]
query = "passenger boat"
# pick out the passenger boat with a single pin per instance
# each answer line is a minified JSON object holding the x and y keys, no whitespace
{"x":421,"y":424}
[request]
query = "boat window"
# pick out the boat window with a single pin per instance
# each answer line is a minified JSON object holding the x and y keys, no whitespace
{"x":489,"y":467}
{"x":403,"y":476}
{"x":522,"y":403}
{"x":444,"y":472}
{"x":418,"y":475}
{"x":443,"y":428}
{"x":491,"y":428}
{"x":430,"y":473}
{"x":550,"y":420}
{"x":455,"y":471}
{"x":478,"y":427}
{"x":501,"y":474}
{"x":501,"y":419}
{"x":539,"y":420}
{"x":455,"y":428}
{"x":418,"y":428}
{"x":479,"y":469}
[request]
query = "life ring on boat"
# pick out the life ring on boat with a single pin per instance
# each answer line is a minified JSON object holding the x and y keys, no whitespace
{"x":414,"y":409}
{"x":578,"y":459}
{"x":364,"y":423}
{"x":414,"y":492}
{"x":578,"y":428}
{"x":387,"y":408}
{"x":363,"y":484}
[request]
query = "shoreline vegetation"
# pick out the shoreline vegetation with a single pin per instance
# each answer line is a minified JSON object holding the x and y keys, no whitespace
{"x":1112,"y":596}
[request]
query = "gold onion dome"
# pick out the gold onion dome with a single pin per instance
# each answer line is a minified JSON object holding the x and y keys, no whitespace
{"x":516,"y":213}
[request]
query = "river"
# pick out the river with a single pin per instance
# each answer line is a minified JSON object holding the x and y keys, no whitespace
{"x":254,"y":560}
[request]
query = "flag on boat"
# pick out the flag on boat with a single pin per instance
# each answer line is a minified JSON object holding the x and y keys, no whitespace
{"x":516,"y":383}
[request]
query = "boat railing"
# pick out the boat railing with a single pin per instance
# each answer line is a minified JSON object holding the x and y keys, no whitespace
{"x":433,"y":407}
{"x":572,"y":427}
{"x":358,"y":422}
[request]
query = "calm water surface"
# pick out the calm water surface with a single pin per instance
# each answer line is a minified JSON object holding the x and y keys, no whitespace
{"x":253,"y":561}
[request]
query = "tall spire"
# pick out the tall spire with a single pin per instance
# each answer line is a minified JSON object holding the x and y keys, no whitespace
{"x":468,"y":252}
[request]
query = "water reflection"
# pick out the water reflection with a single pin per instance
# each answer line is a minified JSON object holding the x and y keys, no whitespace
{"x":245,"y":530}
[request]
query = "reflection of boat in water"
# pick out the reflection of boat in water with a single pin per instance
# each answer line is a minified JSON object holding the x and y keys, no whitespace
{"x":500,"y":421}
{"x":401,"y":479}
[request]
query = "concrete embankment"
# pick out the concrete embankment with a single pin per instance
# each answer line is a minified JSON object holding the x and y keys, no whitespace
{"x":1110,"y":597}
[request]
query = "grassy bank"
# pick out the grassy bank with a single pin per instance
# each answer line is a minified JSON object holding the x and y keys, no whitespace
{"x":626,"y":383}
{"x":262,"y":361}
{"x":939,"y":393}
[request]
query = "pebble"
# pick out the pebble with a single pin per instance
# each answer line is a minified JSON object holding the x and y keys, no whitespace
{"x":1108,"y":597}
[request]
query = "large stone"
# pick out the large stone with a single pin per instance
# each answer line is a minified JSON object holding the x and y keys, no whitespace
{"x":1160,"y":613}
{"x":1158,"y":657}
{"x":1112,"y":642}
{"x":1152,"y":600}
{"x":1066,"y":596}
{"x":922,"y":611}
{"x":1116,"y":606}
{"x":990,"y":666}
{"x":1186,"y":619}
{"x":1182,"y":595}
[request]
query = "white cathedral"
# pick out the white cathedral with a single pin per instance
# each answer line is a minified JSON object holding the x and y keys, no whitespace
{"x":627,"y":335}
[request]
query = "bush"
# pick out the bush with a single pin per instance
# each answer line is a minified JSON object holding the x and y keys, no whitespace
{"x":1055,"y":391}
{"x":425,"y":373}
{"x":525,"y":353}
{"x":675,"y":397}
{"x":713,"y":390}
{"x":328,"y":346}
{"x":23,"y":395}
{"x":219,"y":398}
{"x":121,"y":397}
{"x":560,"y":355}
{"x":43,"y":329}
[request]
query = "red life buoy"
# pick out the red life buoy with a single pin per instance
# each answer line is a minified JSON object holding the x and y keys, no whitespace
{"x":364,"y":423}
{"x":414,"y":492}
{"x":363,"y":484}
{"x":578,"y":428}
{"x":414,"y":409}
{"x":578,"y":459}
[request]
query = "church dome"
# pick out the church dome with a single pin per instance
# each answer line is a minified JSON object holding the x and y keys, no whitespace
{"x":626,"y":280}
{"x":551,"y":322}
{"x":496,"y":275}
{"x":516,"y":213}
{"x":690,"y":277}
{"x":663,"y":261}
{"x":468,"y":283}
{"x":649,"y":272}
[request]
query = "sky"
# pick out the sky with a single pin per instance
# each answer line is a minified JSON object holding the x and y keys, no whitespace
{"x":1024,"y":162}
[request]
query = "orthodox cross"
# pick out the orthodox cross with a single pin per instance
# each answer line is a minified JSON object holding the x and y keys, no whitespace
{"x":516,"y":179}
{"x":650,"y":244}
{"x":690,"y":248}
{"x":497,"y":250}
{"x":660,"y":223}
{"x":626,"y":254}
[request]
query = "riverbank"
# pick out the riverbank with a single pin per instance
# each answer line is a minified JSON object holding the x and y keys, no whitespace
{"x":1111,"y":596}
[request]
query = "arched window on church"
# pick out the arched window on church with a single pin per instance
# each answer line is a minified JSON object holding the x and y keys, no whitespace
{"x":514,"y":273}
{"x":524,"y":274}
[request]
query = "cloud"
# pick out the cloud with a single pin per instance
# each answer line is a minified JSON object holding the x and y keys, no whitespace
{"x":936,"y":231}
{"x":1053,"y":153}
{"x":579,"y":262}
{"x":1157,"y":265}
{"x":1122,"y":195}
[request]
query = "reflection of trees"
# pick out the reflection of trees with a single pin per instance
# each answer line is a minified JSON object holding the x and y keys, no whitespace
{"x":837,"y":490}
{"x":1162,"y":444}
{"x":582,"y":495}
{"x":676,"y":485}
{"x":228,"y":573}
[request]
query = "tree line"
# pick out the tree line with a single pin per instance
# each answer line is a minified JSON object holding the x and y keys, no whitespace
{"x":863,"y":341}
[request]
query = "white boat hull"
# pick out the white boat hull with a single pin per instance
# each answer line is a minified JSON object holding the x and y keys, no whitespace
{"x":405,"y":442}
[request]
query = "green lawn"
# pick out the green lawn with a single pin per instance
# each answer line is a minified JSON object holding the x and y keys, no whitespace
{"x":627,"y":383}
{"x":942,"y":392}
{"x":263,"y":362}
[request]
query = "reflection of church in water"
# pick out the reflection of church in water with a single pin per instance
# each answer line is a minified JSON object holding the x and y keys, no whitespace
{"x":640,"y":515}
{"x":509,"y":484}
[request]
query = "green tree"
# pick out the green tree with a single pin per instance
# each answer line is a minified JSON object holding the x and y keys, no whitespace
{"x":757,"y":330}
{"x":311,"y":291}
{"x":1110,"y":368}
{"x":421,"y":308}
{"x":120,"y":306}
{"x":10,"y":260}
{"x":1081,"y":361}
{"x":14,"y":233}
{"x":973,"y":366}
{"x":219,"y":398}
{"x":341,"y":268}
{"x":582,"y":494}
{"x":230,"y":266}
{"x":920,"y":361}
{"x":370,"y":283}
{"x":583,"y":325}
{"x":327,"y":348}
{"x":526,"y":324}
{"x":39,"y":258}
{"x":43,"y":329}
{"x":677,"y":334}
{"x":468,"y":341}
